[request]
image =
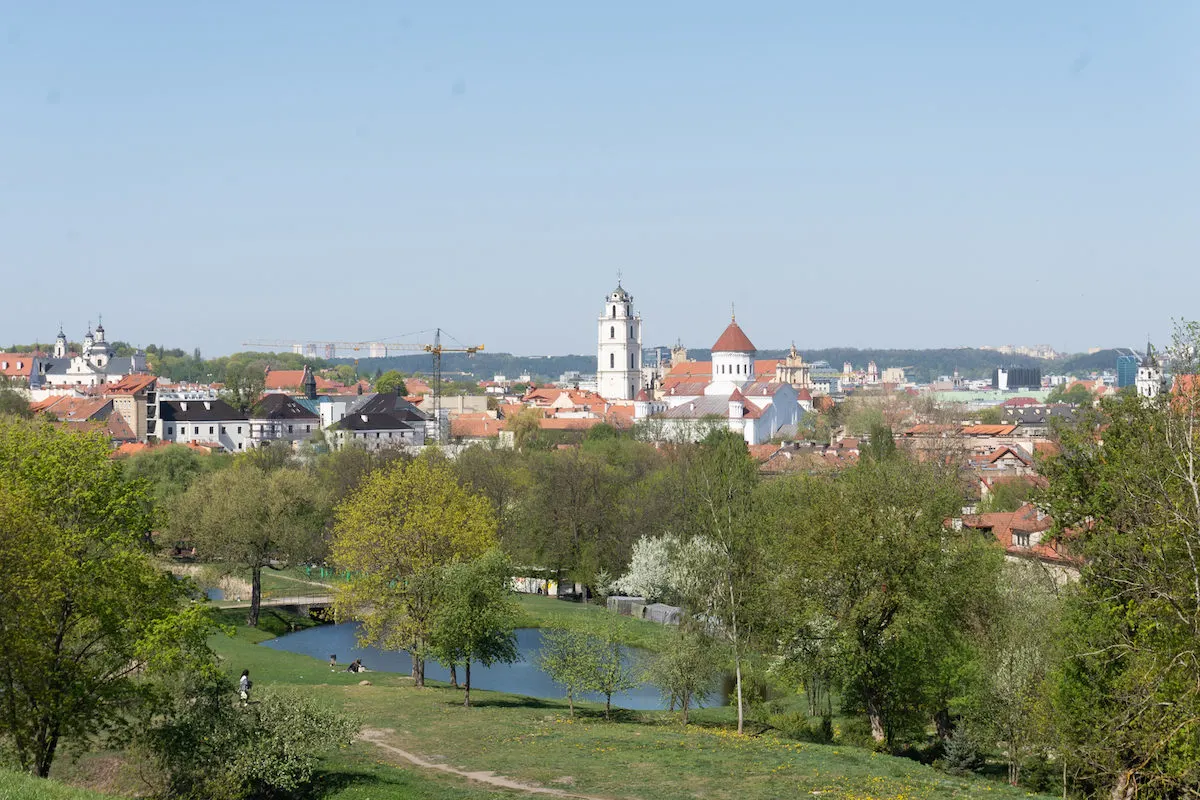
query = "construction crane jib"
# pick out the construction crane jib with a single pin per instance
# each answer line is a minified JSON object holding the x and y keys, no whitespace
{"x":330,"y":349}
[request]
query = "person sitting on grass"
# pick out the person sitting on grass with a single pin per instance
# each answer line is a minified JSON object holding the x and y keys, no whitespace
{"x":356,"y":666}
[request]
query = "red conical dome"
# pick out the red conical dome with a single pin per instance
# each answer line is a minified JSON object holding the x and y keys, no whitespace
{"x":733,"y":340}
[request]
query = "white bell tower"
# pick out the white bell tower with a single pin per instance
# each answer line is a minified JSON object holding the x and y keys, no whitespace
{"x":619,"y":357}
{"x":1150,"y":382}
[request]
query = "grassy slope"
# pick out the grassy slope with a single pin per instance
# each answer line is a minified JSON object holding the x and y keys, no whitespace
{"x":639,"y":755}
{"x":18,"y":786}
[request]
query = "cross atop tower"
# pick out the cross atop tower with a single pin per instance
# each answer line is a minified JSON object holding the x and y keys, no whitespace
{"x":619,"y":276}
{"x":732,"y":313}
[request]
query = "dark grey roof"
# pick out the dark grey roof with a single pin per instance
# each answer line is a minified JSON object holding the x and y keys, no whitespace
{"x":198,"y":411}
{"x":59,"y":366}
{"x":392,"y":403}
{"x":371,"y":422}
{"x":280,"y":406}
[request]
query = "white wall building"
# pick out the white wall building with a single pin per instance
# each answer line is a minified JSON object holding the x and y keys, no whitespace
{"x":205,"y":422}
{"x":619,"y":356}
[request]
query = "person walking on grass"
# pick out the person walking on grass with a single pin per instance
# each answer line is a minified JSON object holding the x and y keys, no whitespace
{"x":244,"y":687}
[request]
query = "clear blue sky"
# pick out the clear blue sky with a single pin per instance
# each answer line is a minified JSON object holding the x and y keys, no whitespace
{"x":870,"y":174}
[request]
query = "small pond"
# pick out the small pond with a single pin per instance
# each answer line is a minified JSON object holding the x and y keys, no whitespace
{"x":522,"y":678}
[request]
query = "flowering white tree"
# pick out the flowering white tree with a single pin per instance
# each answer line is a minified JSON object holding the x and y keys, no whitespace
{"x":665,"y":568}
{"x":649,"y":570}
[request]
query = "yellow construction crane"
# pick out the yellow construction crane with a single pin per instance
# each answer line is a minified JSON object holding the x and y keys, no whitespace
{"x":436,"y":349}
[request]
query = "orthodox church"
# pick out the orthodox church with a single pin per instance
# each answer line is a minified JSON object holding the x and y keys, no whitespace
{"x":730,"y":391}
{"x":94,"y":366}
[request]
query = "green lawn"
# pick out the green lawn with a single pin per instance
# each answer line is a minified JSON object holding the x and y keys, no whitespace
{"x":637,"y":755}
{"x":18,"y":786}
{"x":539,"y":611}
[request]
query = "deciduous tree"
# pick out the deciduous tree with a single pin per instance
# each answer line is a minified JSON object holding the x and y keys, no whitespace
{"x":1125,"y":493}
{"x":394,"y":534}
{"x":82,"y":609}
{"x":476,"y":615}
{"x":245,"y":518}
{"x":391,"y":381}
{"x":729,"y":571}
{"x":686,"y":671}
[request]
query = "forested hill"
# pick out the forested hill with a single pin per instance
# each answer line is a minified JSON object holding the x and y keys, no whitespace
{"x":920,"y":365}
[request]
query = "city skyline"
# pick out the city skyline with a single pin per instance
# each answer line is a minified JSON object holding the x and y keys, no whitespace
{"x":903,"y":177}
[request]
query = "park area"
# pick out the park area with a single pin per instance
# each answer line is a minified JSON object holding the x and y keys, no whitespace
{"x":422,"y":743}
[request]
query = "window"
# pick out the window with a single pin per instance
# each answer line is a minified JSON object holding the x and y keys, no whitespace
{"x":308,"y":428}
{"x":210,"y":430}
{"x":612,"y":361}
{"x":222,"y":430}
{"x":376,"y":435}
{"x":614,"y":311}
{"x":289,"y":428}
{"x":170,"y":431}
{"x":630,"y":331}
{"x":612,"y":331}
{"x":196,"y":430}
{"x":1020,"y":539}
{"x":239,"y":445}
{"x":239,"y":428}
{"x":631,"y":360}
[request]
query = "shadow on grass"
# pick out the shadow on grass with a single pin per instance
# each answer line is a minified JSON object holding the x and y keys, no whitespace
{"x":508,"y":702}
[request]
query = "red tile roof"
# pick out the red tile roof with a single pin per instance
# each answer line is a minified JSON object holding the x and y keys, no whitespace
{"x":685,"y":388}
{"x":763,"y":452}
{"x":130,"y":384}
{"x":16,"y":365}
{"x":1027,"y":520}
{"x":290,"y":380}
{"x":475,"y":426}
{"x":73,"y":409}
{"x":689,"y":369}
{"x":988,"y":430}
{"x":733,"y":340}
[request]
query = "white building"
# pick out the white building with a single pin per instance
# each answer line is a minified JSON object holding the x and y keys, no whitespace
{"x":278,"y":418}
{"x":204,"y":422}
{"x":619,"y":357}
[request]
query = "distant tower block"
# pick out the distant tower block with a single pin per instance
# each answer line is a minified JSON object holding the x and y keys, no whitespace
{"x":619,"y":354}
